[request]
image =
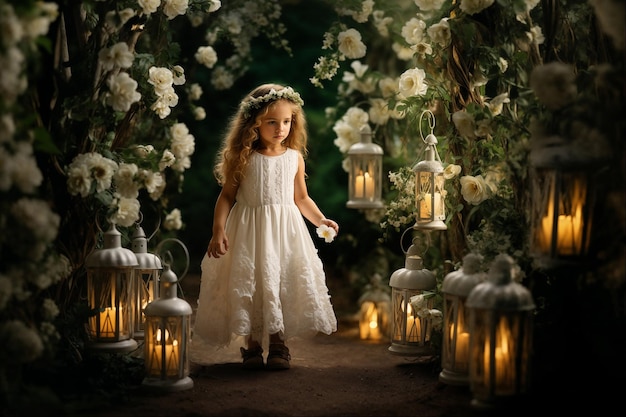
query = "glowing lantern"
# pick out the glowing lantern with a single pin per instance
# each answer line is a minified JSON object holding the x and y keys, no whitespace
{"x":562,"y":199}
{"x":456,"y":324}
{"x":374,"y":311}
{"x":410,"y":332}
{"x":146,"y":279}
{"x":167,"y":335}
{"x":429,"y":186}
{"x":110,"y":294}
{"x":365,"y":176}
{"x":501,"y":329}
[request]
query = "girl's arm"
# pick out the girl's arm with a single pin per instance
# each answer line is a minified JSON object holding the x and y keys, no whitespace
{"x":305,"y":203}
{"x":218,"y":245}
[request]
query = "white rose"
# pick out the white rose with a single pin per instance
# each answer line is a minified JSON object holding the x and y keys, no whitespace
{"x":474,"y":189}
{"x":351,"y":45}
{"x":440,"y":32}
{"x":117,"y":56}
{"x":161,"y":78}
{"x":412,"y":83}
{"x":206,"y":56}
{"x":122,"y":92}
{"x":173,"y":8}
{"x":149,"y":6}
{"x":475,"y":6}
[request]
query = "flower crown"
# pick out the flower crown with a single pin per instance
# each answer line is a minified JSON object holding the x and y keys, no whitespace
{"x":255,"y":103}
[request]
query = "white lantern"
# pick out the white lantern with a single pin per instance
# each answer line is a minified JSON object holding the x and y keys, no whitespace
{"x":429,"y":186}
{"x":166,"y":338}
{"x":365,"y":176}
{"x":146,"y":279}
{"x":375,"y":309}
{"x":456,"y":287}
{"x":563,"y":198}
{"x":501,"y":329}
{"x":410,"y":332}
{"x":110,"y":294}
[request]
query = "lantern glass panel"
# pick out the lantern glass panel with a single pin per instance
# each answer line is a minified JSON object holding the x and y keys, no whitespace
{"x":165,"y":350}
{"x":147,"y":291}
{"x":499,"y":354}
{"x":561,"y":218}
{"x":430,"y":193}
{"x":110,"y":297}
{"x":455,"y":349}
{"x":408,"y":328}
{"x":374,"y":320}
{"x":365,"y":180}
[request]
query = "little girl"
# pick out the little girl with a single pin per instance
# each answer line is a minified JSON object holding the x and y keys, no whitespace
{"x":262,"y":278}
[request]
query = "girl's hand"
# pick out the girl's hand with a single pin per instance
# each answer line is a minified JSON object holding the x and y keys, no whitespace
{"x":331,"y":223}
{"x":218,"y":246}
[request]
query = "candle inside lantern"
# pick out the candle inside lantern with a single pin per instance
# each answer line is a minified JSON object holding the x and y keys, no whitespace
{"x":426,"y":204}
{"x":461,"y":355}
{"x":368,"y":327}
{"x":569,"y":231}
{"x":503,"y":358}
{"x":364,"y":186}
{"x":413,"y":326}
{"x":108,"y":325}
{"x":168,"y":347}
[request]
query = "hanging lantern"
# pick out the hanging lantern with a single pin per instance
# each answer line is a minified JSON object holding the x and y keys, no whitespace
{"x":146,"y":279}
{"x":501,"y":328}
{"x":365,"y":176}
{"x":410,"y":287}
{"x":374,"y":311}
{"x":167,"y":335}
{"x":110,"y":294}
{"x":456,"y":324}
{"x":429,"y":185}
{"x":562,"y":203}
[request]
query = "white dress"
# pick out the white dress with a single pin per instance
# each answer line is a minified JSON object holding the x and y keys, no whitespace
{"x":271,"y":280}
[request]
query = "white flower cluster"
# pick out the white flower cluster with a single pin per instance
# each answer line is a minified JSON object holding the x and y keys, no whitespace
{"x":163,"y":80}
{"x":29,"y":225}
{"x":254,"y":103}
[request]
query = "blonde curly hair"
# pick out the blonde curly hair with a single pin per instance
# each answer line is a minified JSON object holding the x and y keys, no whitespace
{"x":241,"y":140}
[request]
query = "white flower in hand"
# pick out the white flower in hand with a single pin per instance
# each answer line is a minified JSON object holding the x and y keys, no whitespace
{"x":326,"y":232}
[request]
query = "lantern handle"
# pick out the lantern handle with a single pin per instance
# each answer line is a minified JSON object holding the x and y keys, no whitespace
{"x":428,"y":240}
{"x":169,"y":256}
{"x":431,"y":124}
{"x":156,"y":229}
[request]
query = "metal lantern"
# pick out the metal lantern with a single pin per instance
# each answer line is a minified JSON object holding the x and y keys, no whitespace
{"x":375,"y":309}
{"x":456,"y":324}
{"x":146,"y":279}
{"x":410,"y":333}
{"x":110,"y":294}
{"x":562,"y":203}
{"x":166,"y":338}
{"x":365,"y":176}
{"x":501,"y":329}
{"x":429,"y":186}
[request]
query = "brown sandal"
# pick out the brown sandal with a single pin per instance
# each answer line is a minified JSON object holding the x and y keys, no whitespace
{"x":252,"y":358}
{"x":278,"y":357}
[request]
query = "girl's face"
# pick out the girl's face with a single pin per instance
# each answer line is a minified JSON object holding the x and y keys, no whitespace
{"x":276,"y":124}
